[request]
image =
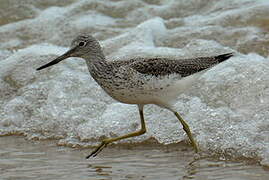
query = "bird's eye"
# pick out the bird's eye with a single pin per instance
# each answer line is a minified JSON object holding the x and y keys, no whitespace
{"x":82,"y":43}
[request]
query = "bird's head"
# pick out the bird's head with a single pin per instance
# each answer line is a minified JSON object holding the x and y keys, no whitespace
{"x":81,"y":46}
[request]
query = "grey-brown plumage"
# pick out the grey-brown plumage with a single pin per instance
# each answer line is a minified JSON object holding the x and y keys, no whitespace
{"x":140,"y":81}
{"x":184,"y":67}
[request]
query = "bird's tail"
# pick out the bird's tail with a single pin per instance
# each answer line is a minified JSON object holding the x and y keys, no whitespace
{"x":223,"y":57}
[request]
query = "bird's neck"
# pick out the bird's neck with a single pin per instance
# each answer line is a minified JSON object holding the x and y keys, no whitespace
{"x":98,"y":66}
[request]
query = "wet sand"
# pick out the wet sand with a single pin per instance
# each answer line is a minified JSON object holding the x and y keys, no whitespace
{"x":44,"y":160}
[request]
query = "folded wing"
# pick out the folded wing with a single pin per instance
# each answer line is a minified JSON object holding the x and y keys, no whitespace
{"x":183,"y":67}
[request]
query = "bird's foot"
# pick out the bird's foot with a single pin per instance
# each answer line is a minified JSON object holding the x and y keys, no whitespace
{"x":98,"y":149}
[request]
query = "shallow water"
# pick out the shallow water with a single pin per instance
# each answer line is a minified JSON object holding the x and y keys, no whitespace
{"x":43,"y":160}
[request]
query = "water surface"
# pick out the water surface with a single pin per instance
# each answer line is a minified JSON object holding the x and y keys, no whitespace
{"x":43,"y":160}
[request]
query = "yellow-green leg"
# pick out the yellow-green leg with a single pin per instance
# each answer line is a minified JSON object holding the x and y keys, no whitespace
{"x":188,"y":131}
{"x":105,"y":142}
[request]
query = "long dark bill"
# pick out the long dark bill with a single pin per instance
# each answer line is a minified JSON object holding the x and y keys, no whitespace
{"x":58,"y":59}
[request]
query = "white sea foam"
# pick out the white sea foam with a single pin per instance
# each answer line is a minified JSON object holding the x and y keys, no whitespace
{"x":227,"y":109}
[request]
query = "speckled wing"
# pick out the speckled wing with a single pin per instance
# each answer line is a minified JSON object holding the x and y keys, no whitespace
{"x":183,"y":67}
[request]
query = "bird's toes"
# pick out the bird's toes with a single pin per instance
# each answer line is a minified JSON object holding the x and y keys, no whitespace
{"x":97,"y":150}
